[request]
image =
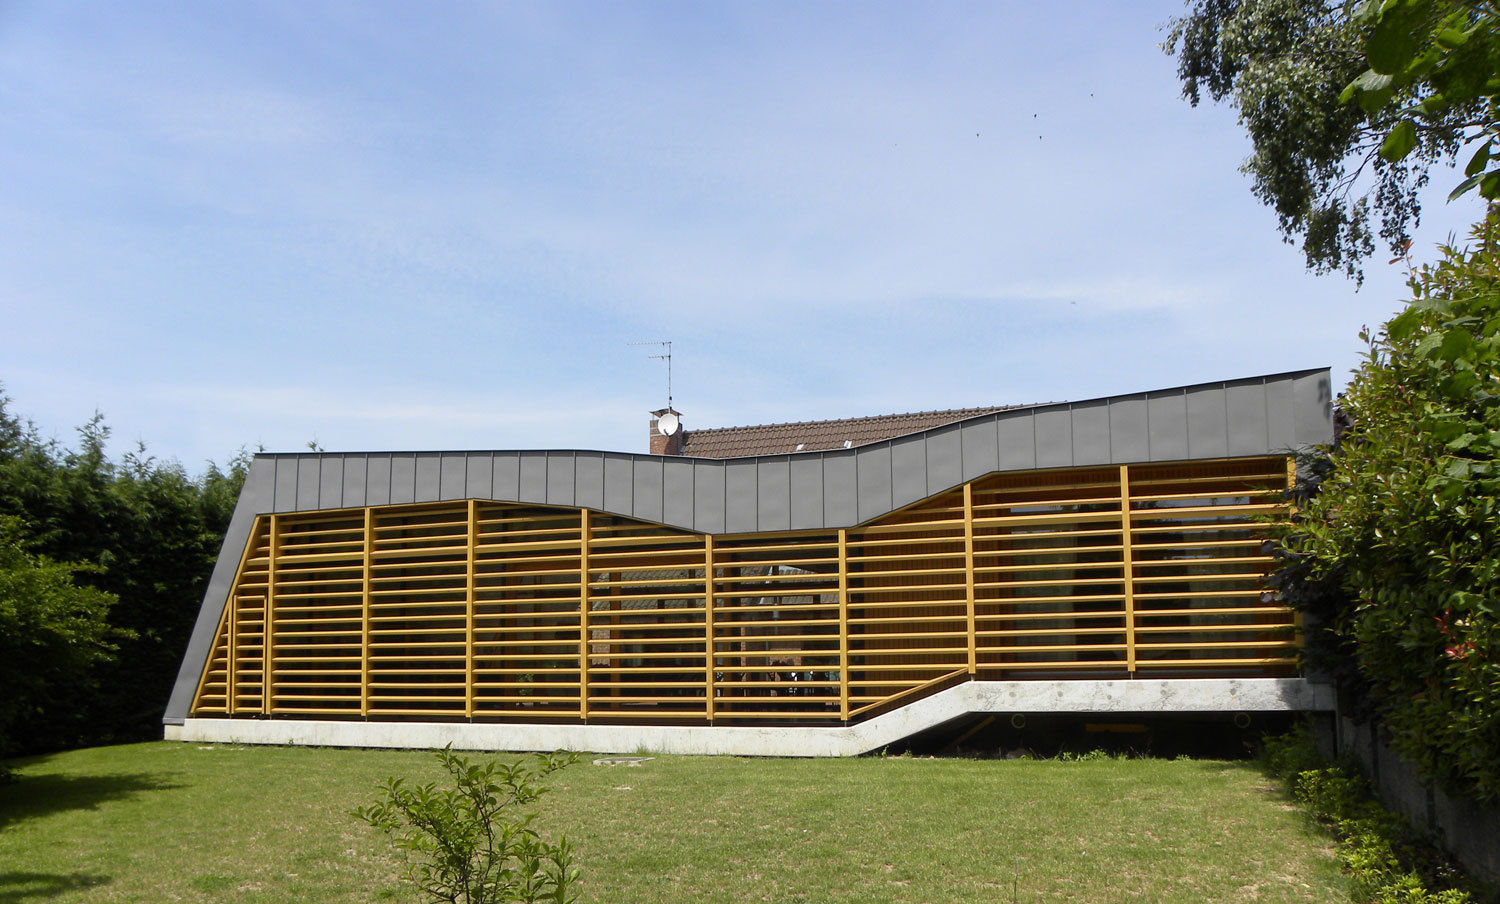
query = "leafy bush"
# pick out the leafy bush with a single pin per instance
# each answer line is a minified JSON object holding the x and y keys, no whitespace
{"x":1385,"y":862}
{"x":467,"y":844}
{"x":1284,"y":756}
{"x":1407,"y":523}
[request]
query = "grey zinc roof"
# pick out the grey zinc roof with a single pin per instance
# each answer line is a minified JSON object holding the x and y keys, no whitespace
{"x":809,"y":490}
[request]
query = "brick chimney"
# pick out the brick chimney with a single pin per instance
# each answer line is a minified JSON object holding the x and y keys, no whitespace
{"x":662,"y":443}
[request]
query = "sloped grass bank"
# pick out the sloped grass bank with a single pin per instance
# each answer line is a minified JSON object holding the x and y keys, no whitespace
{"x":199,"y":823}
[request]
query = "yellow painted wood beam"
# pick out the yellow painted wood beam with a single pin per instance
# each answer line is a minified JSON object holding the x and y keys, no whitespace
{"x":843,"y":546}
{"x":710,"y":603}
{"x":268,"y":626}
{"x":364,"y":614}
{"x":231,"y":677}
{"x":585,"y":605}
{"x":469,"y":568}
{"x":1291,"y":511}
{"x":969,"y":574}
{"x":1127,"y":566}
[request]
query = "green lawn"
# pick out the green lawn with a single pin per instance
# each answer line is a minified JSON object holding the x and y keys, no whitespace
{"x":186,"y":822}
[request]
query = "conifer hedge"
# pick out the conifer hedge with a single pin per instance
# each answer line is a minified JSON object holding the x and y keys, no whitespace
{"x":148,"y":533}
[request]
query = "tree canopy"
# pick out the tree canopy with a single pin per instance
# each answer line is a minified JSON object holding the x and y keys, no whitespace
{"x":148,"y":534}
{"x":53,"y":633}
{"x":1348,"y":106}
{"x":1394,"y":554}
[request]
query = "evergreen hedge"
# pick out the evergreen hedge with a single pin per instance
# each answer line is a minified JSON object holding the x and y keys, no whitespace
{"x":1399,"y":548}
{"x":149,"y":534}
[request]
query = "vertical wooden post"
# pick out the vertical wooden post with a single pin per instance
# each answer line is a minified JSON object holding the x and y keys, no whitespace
{"x":585,"y":533}
{"x":710,"y":600}
{"x":844,"y":624}
{"x":231,"y":663}
{"x":969,"y":575}
{"x":469,"y":544}
{"x":1127,"y":567}
{"x":1291,"y":510}
{"x":1291,"y":484}
{"x":268,"y":627}
{"x":364,"y":620}
{"x":234,"y":616}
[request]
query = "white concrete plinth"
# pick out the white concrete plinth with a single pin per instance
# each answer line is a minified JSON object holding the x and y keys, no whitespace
{"x":1145,"y":697}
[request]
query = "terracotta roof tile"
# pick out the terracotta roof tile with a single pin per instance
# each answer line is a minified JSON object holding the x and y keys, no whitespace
{"x":815,"y":436}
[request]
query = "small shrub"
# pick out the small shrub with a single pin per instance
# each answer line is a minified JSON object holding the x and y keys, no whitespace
{"x":1334,"y":795}
{"x":1284,"y":756}
{"x":472,"y":844}
{"x":1385,"y":863}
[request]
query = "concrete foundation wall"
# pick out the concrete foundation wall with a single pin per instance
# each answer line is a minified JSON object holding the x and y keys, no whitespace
{"x":1468,"y":830}
{"x":1028,"y":697}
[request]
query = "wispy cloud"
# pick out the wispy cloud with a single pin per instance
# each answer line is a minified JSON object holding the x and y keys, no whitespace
{"x":392,"y":227}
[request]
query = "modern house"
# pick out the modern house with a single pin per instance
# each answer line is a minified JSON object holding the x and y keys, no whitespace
{"x":800,"y":589}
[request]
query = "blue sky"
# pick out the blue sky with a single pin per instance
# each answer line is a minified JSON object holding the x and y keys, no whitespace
{"x":432,"y":226}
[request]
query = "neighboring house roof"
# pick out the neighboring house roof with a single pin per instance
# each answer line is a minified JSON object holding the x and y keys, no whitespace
{"x":819,"y":436}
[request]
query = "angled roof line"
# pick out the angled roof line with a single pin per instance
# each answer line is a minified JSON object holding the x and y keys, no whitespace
{"x":1001,"y":409}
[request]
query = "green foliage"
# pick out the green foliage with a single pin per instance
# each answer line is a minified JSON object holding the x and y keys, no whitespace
{"x":1385,"y":863}
{"x":468,"y":844}
{"x":1436,"y":65}
{"x":1317,"y":591}
{"x":1316,"y":160}
{"x":151,"y":534}
{"x":1407,"y":521}
{"x":1284,"y":756}
{"x":52,"y":631}
{"x":1089,"y":756}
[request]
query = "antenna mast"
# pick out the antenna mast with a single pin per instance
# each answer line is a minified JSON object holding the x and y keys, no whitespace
{"x":665,"y":356}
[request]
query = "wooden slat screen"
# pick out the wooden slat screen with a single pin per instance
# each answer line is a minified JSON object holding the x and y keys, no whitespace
{"x":1200,"y":555}
{"x":776,"y":628}
{"x":505,"y":612}
{"x":908,"y":605}
{"x":646,"y":621}
{"x":526,"y":611}
{"x":318,"y":617}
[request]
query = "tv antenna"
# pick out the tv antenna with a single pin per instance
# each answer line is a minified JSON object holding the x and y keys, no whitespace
{"x":664,"y":356}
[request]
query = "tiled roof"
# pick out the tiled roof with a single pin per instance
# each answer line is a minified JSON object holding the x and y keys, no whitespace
{"x":814,"y":436}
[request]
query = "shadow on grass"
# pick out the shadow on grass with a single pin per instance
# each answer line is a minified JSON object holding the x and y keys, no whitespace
{"x":35,"y":796}
{"x":18,"y":887}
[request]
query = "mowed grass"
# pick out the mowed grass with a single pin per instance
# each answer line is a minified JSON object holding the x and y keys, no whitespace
{"x":188,"y":822}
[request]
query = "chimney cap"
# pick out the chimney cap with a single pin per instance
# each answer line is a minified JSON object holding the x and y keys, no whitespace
{"x":666,"y":431}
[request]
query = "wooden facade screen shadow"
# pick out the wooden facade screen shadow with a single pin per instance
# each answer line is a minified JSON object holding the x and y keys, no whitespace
{"x":487,"y":611}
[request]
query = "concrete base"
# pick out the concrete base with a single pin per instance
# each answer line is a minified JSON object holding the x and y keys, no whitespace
{"x":1189,"y":695}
